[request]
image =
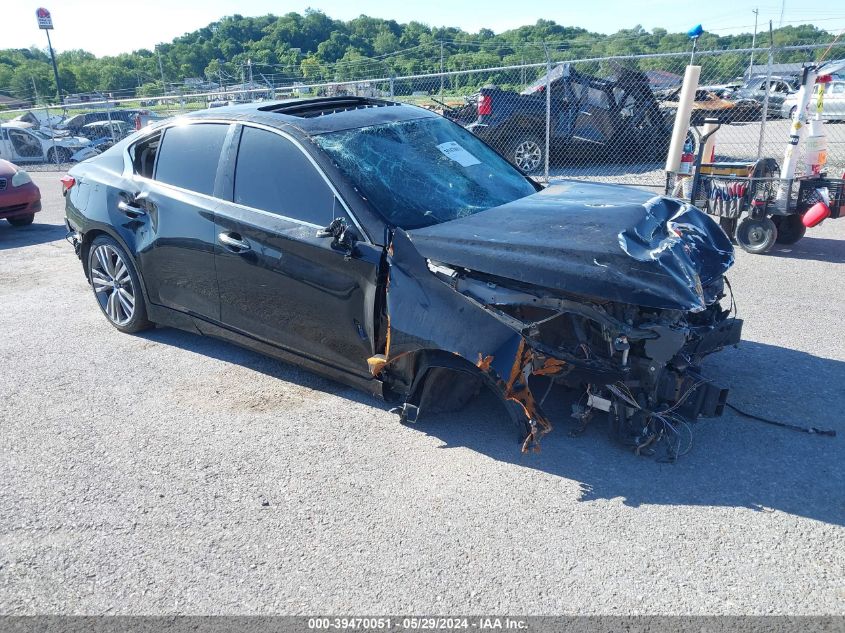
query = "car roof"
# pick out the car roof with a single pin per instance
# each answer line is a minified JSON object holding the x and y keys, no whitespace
{"x":319,"y":115}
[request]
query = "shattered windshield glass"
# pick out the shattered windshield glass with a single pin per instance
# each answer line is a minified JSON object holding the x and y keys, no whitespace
{"x":423,"y":172}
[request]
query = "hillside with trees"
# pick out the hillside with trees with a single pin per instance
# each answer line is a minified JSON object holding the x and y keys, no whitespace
{"x":313,"y":47}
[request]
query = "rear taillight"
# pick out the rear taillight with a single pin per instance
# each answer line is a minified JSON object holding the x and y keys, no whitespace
{"x":67,"y":181}
{"x":485,"y":105}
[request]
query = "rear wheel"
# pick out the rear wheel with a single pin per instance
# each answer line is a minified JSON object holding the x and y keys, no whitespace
{"x":790,"y":228}
{"x":22,"y":220}
{"x":756,"y":236}
{"x":527,"y":153}
{"x":116,"y":285}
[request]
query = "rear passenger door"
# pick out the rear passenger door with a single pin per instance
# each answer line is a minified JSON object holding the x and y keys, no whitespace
{"x":172,"y":216}
{"x":279,"y":282}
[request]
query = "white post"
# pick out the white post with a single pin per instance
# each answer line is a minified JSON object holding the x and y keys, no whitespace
{"x":682,"y":117}
{"x":790,"y":156}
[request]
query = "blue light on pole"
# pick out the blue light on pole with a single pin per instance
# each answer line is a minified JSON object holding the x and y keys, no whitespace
{"x":694,"y":33}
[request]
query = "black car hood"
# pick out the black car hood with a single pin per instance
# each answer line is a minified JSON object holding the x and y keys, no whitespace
{"x":603,"y":241}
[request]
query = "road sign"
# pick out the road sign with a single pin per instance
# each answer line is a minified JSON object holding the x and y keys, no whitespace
{"x":45,"y":20}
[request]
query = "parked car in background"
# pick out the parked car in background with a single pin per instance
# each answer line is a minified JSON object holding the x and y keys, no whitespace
{"x":76,"y":123}
{"x":389,"y":248}
{"x":104,"y":134}
{"x":20,"y":198}
{"x":595,"y":119}
{"x":833,"y":103}
{"x":708,"y":105}
{"x":28,"y":145}
{"x":755,"y":89}
{"x":723,"y":91}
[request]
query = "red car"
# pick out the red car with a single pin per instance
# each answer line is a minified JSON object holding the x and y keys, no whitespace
{"x":20,"y":198}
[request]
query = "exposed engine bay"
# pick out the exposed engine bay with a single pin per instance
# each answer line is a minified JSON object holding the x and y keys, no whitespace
{"x":638,"y":365}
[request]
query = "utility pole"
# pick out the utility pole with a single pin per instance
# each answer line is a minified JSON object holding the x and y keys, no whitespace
{"x":441,"y":70}
{"x":160,"y":67}
{"x":756,"y":12}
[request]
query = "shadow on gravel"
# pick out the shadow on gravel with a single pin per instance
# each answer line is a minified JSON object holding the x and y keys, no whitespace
{"x":734,"y":462}
{"x":815,"y":248}
{"x":19,"y":237}
{"x":231,"y":353}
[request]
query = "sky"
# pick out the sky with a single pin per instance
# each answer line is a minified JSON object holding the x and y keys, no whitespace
{"x":108,"y":27}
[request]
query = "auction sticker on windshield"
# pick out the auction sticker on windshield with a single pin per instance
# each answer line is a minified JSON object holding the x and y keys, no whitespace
{"x":458,"y":154}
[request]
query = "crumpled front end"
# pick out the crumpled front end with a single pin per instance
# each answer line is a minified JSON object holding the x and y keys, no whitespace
{"x":636,"y":366}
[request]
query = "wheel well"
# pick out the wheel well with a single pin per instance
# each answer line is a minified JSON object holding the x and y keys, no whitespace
{"x":447,"y":381}
{"x":88,"y":238}
{"x":509,"y":132}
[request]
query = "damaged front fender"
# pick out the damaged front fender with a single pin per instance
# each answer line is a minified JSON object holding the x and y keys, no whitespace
{"x":424,"y":314}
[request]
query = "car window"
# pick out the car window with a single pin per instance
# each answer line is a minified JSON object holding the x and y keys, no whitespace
{"x":424,"y":171}
{"x":274,"y":175}
{"x":144,"y":155}
{"x":189,"y":154}
{"x":838,"y":88}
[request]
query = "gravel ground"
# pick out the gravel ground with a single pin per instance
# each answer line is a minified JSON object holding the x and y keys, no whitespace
{"x":167,"y":473}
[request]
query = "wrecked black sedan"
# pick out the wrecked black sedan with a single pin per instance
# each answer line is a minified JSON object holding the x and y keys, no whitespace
{"x":390,"y":249}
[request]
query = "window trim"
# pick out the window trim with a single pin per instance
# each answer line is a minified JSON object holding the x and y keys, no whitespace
{"x":130,"y":170}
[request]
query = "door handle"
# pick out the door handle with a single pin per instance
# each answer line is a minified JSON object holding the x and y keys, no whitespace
{"x":132,"y":210}
{"x":233,"y":242}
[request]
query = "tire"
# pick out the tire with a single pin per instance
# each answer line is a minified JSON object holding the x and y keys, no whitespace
{"x":116,"y":285}
{"x":21,"y":220}
{"x":792,"y":112}
{"x":527,"y":153}
{"x":790,"y":228}
{"x":58,"y":155}
{"x":756,"y":236}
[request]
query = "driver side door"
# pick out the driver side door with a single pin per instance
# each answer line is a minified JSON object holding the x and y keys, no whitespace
{"x":279,"y":281}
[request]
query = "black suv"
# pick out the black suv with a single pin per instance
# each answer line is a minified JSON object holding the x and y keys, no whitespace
{"x":387,"y":247}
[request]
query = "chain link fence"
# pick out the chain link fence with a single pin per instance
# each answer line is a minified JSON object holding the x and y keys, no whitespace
{"x":607,"y":119}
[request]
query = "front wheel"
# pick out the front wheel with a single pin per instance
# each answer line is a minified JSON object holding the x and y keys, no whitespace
{"x":756,"y":236}
{"x":527,"y":153}
{"x":790,"y":228}
{"x":58,"y":155}
{"x":116,"y":285}
{"x":22,"y":220}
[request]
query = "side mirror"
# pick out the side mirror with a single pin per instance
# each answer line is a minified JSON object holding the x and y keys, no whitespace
{"x":344,"y":237}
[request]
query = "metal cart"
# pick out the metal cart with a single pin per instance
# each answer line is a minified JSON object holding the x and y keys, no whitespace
{"x":743,"y":197}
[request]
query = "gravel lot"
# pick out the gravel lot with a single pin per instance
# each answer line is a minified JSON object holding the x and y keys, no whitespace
{"x":167,"y":473}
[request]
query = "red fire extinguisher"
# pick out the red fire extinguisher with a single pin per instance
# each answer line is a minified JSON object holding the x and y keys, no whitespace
{"x":687,"y":159}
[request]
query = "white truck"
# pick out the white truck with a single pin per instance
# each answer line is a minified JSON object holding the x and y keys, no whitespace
{"x":20,"y":144}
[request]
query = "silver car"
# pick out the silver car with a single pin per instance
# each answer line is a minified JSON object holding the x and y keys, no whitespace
{"x":833,"y":105}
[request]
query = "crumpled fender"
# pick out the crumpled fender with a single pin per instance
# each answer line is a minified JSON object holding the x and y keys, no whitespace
{"x":687,"y":245}
{"x":424,"y":313}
